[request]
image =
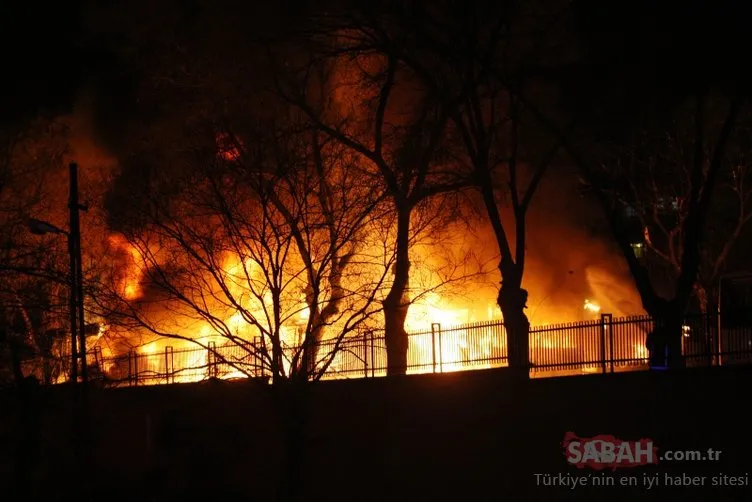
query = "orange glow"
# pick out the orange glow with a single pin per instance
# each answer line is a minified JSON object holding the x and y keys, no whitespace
{"x":443,"y":350}
{"x":433,"y":309}
{"x":227,"y":147}
{"x":591,"y":306}
{"x":130,"y":273}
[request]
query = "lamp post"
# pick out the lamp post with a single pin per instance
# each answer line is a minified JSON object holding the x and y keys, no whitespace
{"x":76,"y":303}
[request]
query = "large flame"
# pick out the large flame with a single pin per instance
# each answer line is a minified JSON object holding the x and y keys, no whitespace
{"x":435,"y":343}
{"x":130,"y":272}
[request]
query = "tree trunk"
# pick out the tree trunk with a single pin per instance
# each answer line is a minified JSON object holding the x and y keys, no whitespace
{"x":666,"y":341}
{"x":277,"y":366}
{"x":512,"y":301}
{"x":396,"y":302}
{"x":321,"y":318}
{"x":306,"y":366}
{"x":703,"y":300}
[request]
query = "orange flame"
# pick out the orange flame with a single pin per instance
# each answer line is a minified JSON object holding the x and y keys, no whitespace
{"x":131,"y":274}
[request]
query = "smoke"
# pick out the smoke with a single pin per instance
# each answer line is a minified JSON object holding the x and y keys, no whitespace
{"x":570,"y":256}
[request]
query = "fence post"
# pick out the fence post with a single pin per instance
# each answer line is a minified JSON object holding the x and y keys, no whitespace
{"x":169,"y":364}
{"x":718,"y":345}
{"x":133,"y":367}
{"x":603,"y":343}
{"x":365,"y":354}
{"x":373,"y":358}
{"x":258,"y":369}
{"x":433,"y":345}
{"x":130,"y":367}
{"x":606,"y":320}
{"x":441,"y":351}
{"x":212,"y":360}
{"x":710,"y":324}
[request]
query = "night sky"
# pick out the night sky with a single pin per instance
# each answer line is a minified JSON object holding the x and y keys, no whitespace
{"x":42,"y":57}
{"x":51,"y":52}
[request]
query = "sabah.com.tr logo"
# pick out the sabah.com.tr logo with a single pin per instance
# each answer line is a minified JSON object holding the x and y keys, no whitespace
{"x":608,"y":452}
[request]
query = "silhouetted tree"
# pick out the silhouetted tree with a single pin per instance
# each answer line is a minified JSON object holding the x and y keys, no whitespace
{"x":465,"y":66}
{"x":666,"y":78}
{"x":32,"y":283}
{"x":370,"y":104}
{"x":653,"y":183}
{"x":262,"y":241}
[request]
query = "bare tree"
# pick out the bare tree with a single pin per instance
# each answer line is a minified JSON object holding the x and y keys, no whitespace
{"x":368,"y":103}
{"x":654,"y":175}
{"x":263,"y":242}
{"x":31,"y":286}
{"x":692,"y":177}
{"x":32,"y":282}
{"x":465,"y":66}
{"x":261,"y":248}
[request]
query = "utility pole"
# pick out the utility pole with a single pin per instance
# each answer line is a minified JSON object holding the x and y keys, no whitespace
{"x":73,"y":307}
{"x":77,"y":281}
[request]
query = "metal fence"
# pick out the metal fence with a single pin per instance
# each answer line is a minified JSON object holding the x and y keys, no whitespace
{"x":603,"y":345}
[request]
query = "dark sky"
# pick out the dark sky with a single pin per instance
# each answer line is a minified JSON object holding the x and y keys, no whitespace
{"x":42,"y":64}
{"x":48,"y":56}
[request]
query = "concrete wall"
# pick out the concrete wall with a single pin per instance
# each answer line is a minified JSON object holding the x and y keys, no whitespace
{"x":471,"y":436}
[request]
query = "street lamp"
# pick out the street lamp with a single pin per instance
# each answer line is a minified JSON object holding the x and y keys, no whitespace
{"x":39,"y":227}
{"x":77,"y":326}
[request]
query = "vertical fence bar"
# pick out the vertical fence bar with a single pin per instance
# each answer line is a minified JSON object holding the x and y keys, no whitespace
{"x":709,"y":338}
{"x":603,"y":343}
{"x":441,"y":351}
{"x":436,"y":329}
{"x":166,"y":366}
{"x":433,"y":346}
{"x":718,"y":346}
{"x":169,"y":364}
{"x":212,"y":360}
{"x":607,"y":319}
{"x":373,"y":354}
{"x":258,"y":369}
{"x":133,"y":367}
{"x":130,"y":367}
{"x":172,"y":365}
{"x":365,"y":354}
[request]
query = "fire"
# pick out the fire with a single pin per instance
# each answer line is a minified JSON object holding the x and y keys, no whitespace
{"x":591,"y":306}
{"x":430,"y":320}
{"x":232,"y":321}
{"x":130,"y":280}
{"x":430,"y":309}
{"x":640,"y":351}
{"x":227,"y":147}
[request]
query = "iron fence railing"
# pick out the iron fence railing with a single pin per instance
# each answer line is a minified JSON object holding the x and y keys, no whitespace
{"x":602,"y":345}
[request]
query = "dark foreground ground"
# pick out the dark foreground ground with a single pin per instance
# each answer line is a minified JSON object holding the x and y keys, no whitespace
{"x":472,"y":436}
